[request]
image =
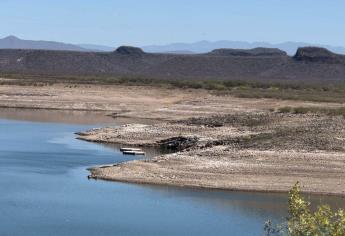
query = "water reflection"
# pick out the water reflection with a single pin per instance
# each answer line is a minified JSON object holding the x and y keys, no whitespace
{"x":95,"y":118}
{"x":149,"y":151}
{"x":246,"y":202}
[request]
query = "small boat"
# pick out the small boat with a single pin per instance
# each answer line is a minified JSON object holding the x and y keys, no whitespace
{"x":130,"y":149}
{"x":133,"y":153}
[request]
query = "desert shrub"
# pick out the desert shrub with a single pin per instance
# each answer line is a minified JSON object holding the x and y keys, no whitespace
{"x":278,"y":89}
{"x":284,"y":109}
{"x":339,"y":111}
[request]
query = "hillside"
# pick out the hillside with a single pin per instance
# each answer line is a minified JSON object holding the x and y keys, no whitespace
{"x":206,"y":46}
{"x":309,"y":63}
{"x":12,"y":42}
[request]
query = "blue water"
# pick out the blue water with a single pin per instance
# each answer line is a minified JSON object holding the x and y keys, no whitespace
{"x":44,"y":191}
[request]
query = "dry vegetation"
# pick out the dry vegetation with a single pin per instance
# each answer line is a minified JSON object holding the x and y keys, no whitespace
{"x":316,"y":91}
{"x":340,"y":111}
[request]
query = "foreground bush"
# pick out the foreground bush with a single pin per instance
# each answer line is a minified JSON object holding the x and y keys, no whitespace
{"x":302,"y":221}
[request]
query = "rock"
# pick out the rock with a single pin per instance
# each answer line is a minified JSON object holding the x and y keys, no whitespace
{"x":178,"y":143}
{"x":128,"y":50}
{"x":316,"y":54}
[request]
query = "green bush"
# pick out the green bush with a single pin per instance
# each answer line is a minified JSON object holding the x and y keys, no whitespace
{"x":302,"y":221}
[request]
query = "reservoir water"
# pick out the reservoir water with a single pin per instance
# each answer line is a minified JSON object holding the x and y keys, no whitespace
{"x":44,"y":191}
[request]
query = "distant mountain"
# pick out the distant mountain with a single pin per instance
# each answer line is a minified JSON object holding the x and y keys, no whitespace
{"x":179,"y":52}
{"x":207,"y":46}
{"x":12,"y":42}
{"x":95,"y":47}
{"x":261,"y":64}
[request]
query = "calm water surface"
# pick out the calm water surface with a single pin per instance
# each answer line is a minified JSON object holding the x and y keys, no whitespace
{"x":44,"y":191}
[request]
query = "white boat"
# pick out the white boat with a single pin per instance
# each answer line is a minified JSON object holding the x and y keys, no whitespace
{"x":130,"y":149}
{"x":133,"y":153}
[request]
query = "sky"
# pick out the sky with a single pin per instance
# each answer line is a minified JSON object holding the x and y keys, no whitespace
{"x":154,"y":22}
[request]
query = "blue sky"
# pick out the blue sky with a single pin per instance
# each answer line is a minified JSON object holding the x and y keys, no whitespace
{"x":145,"y":22}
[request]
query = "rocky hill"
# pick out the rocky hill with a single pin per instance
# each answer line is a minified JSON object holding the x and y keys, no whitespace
{"x":309,"y":63}
{"x":320,"y":55}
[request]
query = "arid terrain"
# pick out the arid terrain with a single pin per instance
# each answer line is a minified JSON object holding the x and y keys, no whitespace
{"x":138,"y":101}
{"x":258,"y":64}
{"x":253,"y":151}
{"x":221,"y":141}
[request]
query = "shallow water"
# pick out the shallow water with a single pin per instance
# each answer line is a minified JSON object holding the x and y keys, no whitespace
{"x":44,"y":191}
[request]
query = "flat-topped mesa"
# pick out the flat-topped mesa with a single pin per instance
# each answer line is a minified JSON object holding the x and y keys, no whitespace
{"x":128,"y":50}
{"x":317,"y":54}
{"x":248,"y":52}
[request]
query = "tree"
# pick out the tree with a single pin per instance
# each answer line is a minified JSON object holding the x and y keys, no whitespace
{"x":303,"y":222}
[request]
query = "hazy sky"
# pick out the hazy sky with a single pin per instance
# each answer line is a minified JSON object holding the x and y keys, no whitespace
{"x":145,"y":22}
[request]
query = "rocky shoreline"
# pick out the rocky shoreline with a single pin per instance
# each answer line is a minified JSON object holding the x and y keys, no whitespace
{"x":266,"y":152}
{"x":222,"y":141}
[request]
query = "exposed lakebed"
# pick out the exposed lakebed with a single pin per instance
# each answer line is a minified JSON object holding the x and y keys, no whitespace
{"x":44,"y":191}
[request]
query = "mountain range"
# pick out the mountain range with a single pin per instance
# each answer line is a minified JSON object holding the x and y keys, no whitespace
{"x":207,"y":46}
{"x":12,"y":42}
{"x":308,"y":64}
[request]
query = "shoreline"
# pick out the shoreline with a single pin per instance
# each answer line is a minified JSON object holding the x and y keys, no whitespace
{"x":218,"y":167}
{"x":241,"y":144}
{"x":210,"y":188}
{"x":99,"y":176}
